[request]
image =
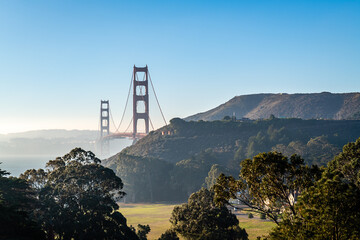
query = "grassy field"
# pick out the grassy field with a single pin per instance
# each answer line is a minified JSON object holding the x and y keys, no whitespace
{"x":254,"y":226}
{"x":157,"y":216}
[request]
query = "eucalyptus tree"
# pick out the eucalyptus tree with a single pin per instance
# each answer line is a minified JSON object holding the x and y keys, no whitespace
{"x":16,"y":203}
{"x":78,"y":198}
{"x":200,"y":218}
{"x":330,"y":209}
{"x":269,"y":184}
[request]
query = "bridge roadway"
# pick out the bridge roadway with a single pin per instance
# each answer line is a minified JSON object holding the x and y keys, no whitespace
{"x":124,"y":135}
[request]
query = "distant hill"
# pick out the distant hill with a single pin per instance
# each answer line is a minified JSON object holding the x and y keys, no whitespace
{"x":323,"y":105}
{"x":46,"y":142}
{"x":53,"y":133}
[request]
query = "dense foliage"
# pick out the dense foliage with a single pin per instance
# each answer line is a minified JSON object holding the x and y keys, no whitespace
{"x":215,"y":171}
{"x":199,"y":218}
{"x":77,"y":199}
{"x":169,"y":235}
{"x":142,"y":231}
{"x":328,"y":210}
{"x":178,"y":159}
{"x":267,"y":183}
{"x":347,"y":163}
{"x":16,"y":204}
{"x":329,"y":203}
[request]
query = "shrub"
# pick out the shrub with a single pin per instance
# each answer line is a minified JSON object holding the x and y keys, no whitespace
{"x":169,"y":235}
{"x":200,"y":218}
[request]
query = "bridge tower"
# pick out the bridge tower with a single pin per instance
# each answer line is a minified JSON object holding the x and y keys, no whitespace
{"x":104,"y":127}
{"x":139,"y":96}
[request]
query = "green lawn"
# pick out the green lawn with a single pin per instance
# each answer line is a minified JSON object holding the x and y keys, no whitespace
{"x":254,"y":226}
{"x":157,"y":216}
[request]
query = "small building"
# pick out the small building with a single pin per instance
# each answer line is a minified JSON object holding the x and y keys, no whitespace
{"x":165,"y":133}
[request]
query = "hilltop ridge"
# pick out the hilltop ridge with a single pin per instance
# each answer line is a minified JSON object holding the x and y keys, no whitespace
{"x":324,"y":105}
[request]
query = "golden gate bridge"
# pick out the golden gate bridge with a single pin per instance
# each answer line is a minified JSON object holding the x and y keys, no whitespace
{"x":140,"y":96}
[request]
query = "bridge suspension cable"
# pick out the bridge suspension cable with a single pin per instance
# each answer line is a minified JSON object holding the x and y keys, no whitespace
{"x":127,"y":100}
{"x":129,"y":125}
{"x":112,"y":119}
{"x":152,"y":85}
{"x":152,"y":126}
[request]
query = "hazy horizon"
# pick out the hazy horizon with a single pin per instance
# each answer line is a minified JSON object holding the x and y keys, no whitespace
{"x":88,"y":129}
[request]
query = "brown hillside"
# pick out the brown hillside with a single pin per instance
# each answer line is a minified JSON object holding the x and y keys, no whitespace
{"x":323,"y":105}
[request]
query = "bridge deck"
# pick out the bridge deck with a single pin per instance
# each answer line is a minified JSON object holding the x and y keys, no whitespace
{"x":124,"y":135}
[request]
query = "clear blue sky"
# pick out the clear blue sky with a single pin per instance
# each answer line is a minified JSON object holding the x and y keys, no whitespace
{"x":58,"y":59}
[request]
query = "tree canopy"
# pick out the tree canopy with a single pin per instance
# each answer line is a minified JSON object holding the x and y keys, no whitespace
{"x":200,"y":218}
{"x":331,"y":208}
{"x":169,"y":235}
{"x":348,"y":162}
{"x":328,"y":210}
{"x":267,"y":183}
{"x":16,"y":203}
{"x":78,"y":197}
{"x":328,"y":206}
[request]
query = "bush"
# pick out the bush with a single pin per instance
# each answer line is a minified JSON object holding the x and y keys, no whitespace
{"x":200,"y":218}
{"x":169,"y":235}
{"x":250,"y":215}
{"x":142,"y":231}
{"x":262,"y":216}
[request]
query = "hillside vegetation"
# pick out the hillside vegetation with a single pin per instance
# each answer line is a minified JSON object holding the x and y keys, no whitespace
{"x":323,"y":105}
{"x":171,"y":163}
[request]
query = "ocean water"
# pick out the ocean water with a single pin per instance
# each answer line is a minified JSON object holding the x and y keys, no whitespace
{"x":19,"y":164}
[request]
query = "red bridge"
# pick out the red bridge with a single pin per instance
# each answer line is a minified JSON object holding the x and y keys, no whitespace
{"x":140,"y":95}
